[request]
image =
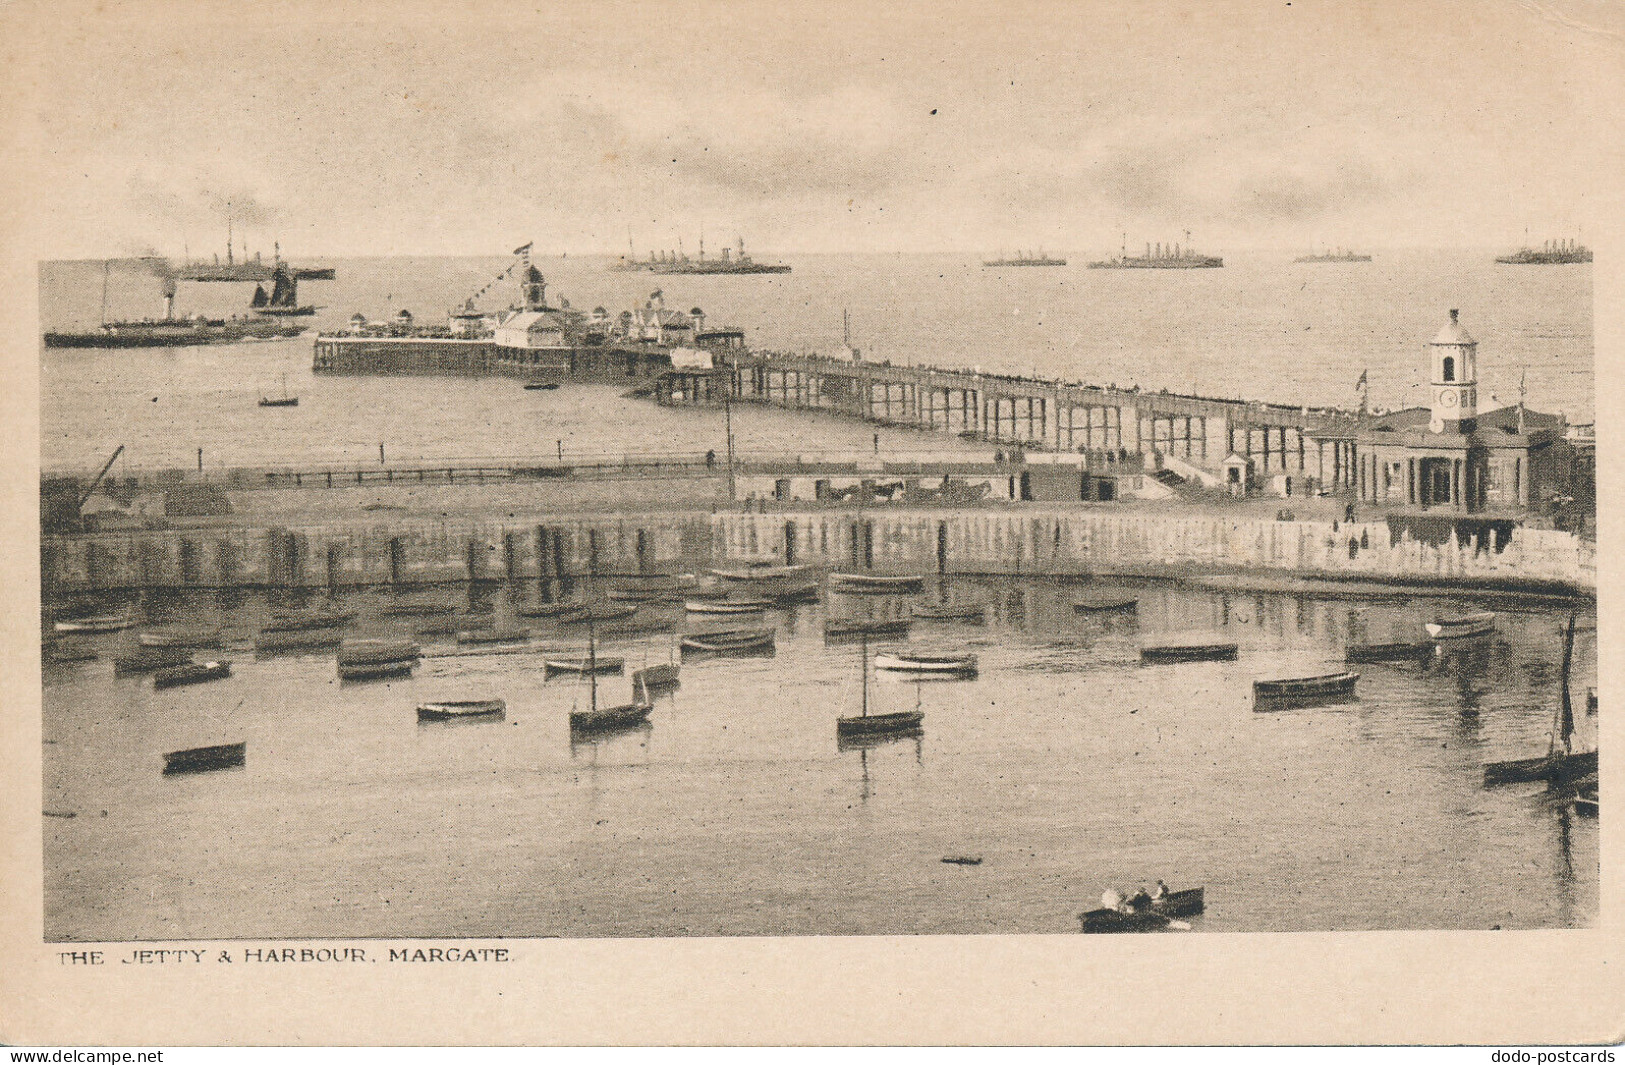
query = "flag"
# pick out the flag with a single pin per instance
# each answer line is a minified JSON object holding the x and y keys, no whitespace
{"x":1361,"y":382}
{"x":524,"y":249}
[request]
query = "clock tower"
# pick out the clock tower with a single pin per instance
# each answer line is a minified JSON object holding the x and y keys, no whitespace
{"x":1455,"y":379}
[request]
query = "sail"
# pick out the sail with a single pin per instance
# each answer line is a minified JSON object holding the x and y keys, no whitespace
{"x":284,"y":291}
{"x":260,"y":298}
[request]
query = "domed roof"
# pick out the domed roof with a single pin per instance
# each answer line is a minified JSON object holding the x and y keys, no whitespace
{"x":1453,"y":333}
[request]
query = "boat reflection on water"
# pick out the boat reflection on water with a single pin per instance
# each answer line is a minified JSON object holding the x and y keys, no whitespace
{"x":624,"y":738}
{"x":866,"y":743}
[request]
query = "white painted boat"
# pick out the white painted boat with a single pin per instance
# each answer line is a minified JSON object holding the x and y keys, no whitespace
{"x":1461,"y":626}
{"x":726,"y":606}
{"x":928,"y":664}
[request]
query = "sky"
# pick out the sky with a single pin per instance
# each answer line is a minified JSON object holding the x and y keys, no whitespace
{"x":466,"y":128}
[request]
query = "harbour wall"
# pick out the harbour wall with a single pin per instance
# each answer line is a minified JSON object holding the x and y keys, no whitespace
{"x":1031,"y":541}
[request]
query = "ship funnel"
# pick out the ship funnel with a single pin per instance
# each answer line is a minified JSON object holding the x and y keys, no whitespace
{"x":169,"y":298}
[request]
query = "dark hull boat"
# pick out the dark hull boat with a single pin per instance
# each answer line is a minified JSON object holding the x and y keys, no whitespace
{"x":490,"y":636}
{"x":377,"y":670}
{"x":609,"y":718}
{"x":191,"y":673}
{"x":1188,"y":652}
{"x":1301,"y":691}
{"x":599,"y":613}
{"x":541,"y":386}
{"x":149,"y":659}
{"x":306,"y":622}
{"x":1560,"y":766}
{"x":1154,"y":916}
{"x":866,"y":627}
{"x":203,"y":759}
{"x":555,"y":611}
{"x":867,"y":582}
{"x":735,"y":642}
{"x":457,"y":709}
{"x":175,"y":333}
{"x":297,"y":640}
{"x":902,"y":721}
{"x":652,"y":678}
{"x":1387,"y":652}
{"x":364,"y":652}
{"x":289,"y":401}
{"x":1106,"y":603}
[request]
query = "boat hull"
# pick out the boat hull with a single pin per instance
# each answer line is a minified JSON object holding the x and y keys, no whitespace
{"x":455,"y":710}
{"x":1461,"y":628}
{"x":175,"y":676}
{"x":604,"y":665}
{"x":203,"y":759}
{"x":1210,"y":652}
{"x":1556,"y":769}
{"x":1302,"y":691}
{"x":377,"y":670}
{"x":864,"y":582}
{"x":1106,"y":604}
{"x":890,"y":627}
{"x":879,"y":724}
{"x":653,"y":678}
{"x":609,"y":719}
{"x":934,"y":666}
{"x":1155,"y":916}
{"x":729,"y":643}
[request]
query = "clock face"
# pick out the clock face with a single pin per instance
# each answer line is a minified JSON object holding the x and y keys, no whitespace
{"x":1447,"y":399}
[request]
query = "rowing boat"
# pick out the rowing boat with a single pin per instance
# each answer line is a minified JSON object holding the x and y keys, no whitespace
{"x":379,"y":670}
{"x":1205,"y":651}
{"x":938,"y":665}
{"x":203,"y":759}
{"x":556,"y":611}
{"x":1461,"y":626}
{"x":460,"y":708}
{"x":364,"y":652}
{"x":147,"y":659}
{"x":1282,"y":692}
{"x":735,"y":641}
{"x":869,"y":582}
{"x":190,"y":673}
{"x":661,"y":676}
{"x":726,"y":606}
{"x":483,"y":636}
{"x":1103,"y":603}
{"x":760,"y":571}
{"x":599,"y":664}
{"x":866,"y":627}
{"x":103,"y":623}
{"x":179,"y":638}
{"x":973,"y":615}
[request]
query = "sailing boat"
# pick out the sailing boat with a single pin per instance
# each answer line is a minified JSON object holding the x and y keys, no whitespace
{"x":609,"y":718}
{"x":867,"y":724}
{"x":1556,"y":767}
{"x":284,"y":298}
{"x":657,"y":676}
{"x":285,"y":401}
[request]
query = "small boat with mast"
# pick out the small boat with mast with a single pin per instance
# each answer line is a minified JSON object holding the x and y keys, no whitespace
{"x":1561,"y":766}
{"x":284,"y":401}
{"x":596,"y":719}
{"x":867,"y":724}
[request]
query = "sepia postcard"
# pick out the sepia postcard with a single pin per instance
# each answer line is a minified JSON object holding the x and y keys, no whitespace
{"x":705,"y":522}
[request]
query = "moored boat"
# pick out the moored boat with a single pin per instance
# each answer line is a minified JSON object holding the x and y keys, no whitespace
{"x":1189,"y":651}
{"x":899,"y":722}
{"x":449,"y":709}
{"x":666,"y":675}
{"x":297,"y":640}
{"x":726,"y":606}
{"x":927,"y":664}
{"x":203,"y":759}
{"x":307,"y":622}
{"x":870,"y":582}
{"x":1145,"y":914}
{"x":971,"y":615}
{"x":599,"y":612}
{"x":1561,"y":765}
{"x":1104,"y":603}
{"x":362,"y":652}
{"x":1277,"y":693}
{"x":866,"y":627}
{"x":180,"y":638}
{"x":569,"y":611}
{"x":377,"y":670}
{"x":593,"y":664}
{"x":148,"y":659}
{"x":732,"y":641}
{"x":761,"y":571}
{"x":417,"y":610}
{"x":1461,"y":626}
{"x":488,"y":636}
{"x":101,"y":623}
{"x":190,"y":673}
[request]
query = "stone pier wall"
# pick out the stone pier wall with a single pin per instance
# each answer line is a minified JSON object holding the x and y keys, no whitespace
{"x":1031,"y":541}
